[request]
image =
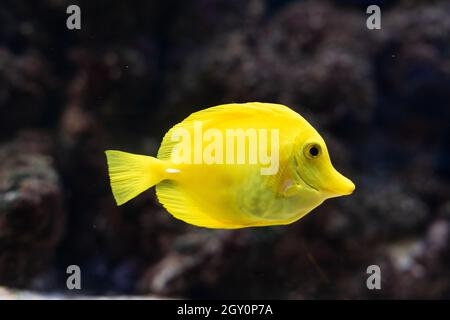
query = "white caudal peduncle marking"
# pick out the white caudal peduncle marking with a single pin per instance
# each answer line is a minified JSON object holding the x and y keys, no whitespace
{"x":171,"y":170}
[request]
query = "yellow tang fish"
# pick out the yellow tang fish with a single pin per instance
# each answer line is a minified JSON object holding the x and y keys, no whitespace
{"x":234,"y":166}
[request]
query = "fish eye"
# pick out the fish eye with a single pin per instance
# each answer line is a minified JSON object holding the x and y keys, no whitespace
{"x":312,"y":151}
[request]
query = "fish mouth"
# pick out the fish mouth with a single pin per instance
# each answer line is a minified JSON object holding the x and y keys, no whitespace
{"x":345,"y":188}
{"x":339,"y":185}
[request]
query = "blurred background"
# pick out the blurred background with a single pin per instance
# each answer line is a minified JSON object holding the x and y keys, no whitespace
{"x":380,"y":98}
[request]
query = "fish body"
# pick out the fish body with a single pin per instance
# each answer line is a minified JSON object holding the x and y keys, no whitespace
{"x":278,"y":171}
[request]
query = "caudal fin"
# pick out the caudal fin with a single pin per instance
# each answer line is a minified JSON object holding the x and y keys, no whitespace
{"x":132,"y":174}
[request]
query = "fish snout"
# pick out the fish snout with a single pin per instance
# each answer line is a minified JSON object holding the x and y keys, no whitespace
{"x":339,"y":185}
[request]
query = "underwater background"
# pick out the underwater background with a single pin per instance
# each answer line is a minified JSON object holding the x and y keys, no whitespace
{"x":380,"y":98}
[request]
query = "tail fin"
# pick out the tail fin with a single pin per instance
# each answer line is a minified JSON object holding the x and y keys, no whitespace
{"x":132,"y":174}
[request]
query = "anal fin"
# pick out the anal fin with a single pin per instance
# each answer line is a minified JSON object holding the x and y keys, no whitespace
{"x":181,"y":206}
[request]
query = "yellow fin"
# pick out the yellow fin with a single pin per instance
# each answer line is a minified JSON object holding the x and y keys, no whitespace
{"x":181,"y":206}
{"x":233,"y":111}
{"x":132,"y":174}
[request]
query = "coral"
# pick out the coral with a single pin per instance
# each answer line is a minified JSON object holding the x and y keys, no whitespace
{"x":31,"y":208}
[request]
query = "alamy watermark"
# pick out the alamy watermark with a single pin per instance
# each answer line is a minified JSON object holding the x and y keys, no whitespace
{"x":73,"y":21}
{"x":374,"y":280}
{"x":232,"y":146}
{"x":374,"y":20}
{"x":73,"y":281}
